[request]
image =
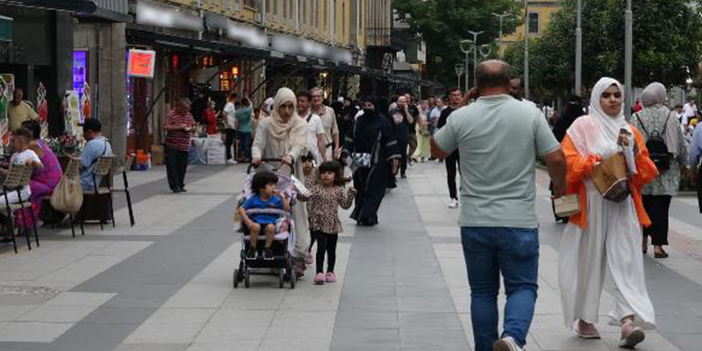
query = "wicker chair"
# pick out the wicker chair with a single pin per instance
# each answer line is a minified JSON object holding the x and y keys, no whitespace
{"x":16,"y":176}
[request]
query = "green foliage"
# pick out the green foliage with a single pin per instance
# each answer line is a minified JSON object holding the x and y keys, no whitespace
{"x":667,"y":34}
{"x":443,"y":23}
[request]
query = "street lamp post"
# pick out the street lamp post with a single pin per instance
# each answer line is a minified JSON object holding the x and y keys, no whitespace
{"x":628,"y":59}
{"x":459,"y":72}
{"x":526,"y":49}
{"x":475,"y":50}
{"x":579,"y":51}
{"x":501,"y":17}
{"x":466,"y":46}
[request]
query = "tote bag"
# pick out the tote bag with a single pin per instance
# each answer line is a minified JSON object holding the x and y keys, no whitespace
{"x":611,"y":178}
{"x":68,"y":195}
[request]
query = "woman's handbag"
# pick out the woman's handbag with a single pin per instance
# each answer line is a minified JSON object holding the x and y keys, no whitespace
{"x":68,"y":194}
{"x":611,"y":178}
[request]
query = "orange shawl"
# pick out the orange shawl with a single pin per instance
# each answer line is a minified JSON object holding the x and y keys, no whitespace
{"x":579,"y":169}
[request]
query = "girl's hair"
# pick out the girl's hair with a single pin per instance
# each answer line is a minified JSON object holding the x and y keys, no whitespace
{"x":33,"y":126}
{"x":23,"y":133}
{"x":261,"y":179}
{"x":332,"y":166}
{"x":307,"y":157}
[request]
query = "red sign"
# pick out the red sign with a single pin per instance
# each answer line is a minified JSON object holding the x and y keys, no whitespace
{"x":141,"y":63}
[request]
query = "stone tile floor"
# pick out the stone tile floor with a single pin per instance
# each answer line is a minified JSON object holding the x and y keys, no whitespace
{"x":165,"y":285}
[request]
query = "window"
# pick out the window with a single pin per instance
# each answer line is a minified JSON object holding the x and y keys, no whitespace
{"x":285,"y":9}
{"x":268,"y":6}
{"x":326,"y":14}
{"x":343,"y":21}
{"x":533,"y":23}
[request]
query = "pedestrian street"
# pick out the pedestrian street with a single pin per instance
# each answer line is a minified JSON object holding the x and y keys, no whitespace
{"x":166,"y":283}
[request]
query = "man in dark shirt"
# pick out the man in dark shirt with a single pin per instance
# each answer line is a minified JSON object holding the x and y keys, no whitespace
{"x":453,"y":160}
{"x":402,"y":121}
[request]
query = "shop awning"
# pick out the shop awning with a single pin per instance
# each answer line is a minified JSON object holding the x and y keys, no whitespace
{"x":79,"y":6}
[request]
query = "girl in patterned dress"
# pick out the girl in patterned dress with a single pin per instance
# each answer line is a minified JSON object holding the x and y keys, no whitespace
{"x":326,"y":194}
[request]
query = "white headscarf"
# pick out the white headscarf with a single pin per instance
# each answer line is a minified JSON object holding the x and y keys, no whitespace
{"x":598,"y":132}
{"x":292,"y":132}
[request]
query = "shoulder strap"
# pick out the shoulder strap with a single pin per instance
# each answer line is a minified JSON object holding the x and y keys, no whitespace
{"x":665,"y":125}
{"x":642,"y":125}
{"x":103,"y":154}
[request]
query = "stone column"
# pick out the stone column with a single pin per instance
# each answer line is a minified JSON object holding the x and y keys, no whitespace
{"x":112,"y":45}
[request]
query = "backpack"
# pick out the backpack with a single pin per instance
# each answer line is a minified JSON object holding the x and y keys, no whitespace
{"x":657,"y":147}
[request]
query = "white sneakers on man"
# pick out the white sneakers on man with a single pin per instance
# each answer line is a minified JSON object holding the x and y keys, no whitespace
{"x":454,"y":203}
{"x":506,"y":344}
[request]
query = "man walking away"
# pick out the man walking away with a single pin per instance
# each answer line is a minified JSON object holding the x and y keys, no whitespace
{"x":499,"y":138}
{"x":689,"y":112}
{"x":178,"y":125}
{"x":453,"y":160}
{"x":230,"y":122}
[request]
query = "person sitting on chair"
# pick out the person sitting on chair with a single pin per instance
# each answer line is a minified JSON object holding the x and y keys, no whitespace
{"x":96,"y":147}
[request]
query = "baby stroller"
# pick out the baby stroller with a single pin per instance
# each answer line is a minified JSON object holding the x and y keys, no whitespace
{"x":283,"y":263}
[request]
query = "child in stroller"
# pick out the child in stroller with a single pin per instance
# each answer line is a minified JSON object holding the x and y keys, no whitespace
{"x":260,"y":213}
{"x":275,"y":231}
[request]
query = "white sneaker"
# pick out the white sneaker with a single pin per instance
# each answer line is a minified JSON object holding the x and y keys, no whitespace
{"x":454,"y":204}
{"x":232,"y":162}
{"x":506,"y":344}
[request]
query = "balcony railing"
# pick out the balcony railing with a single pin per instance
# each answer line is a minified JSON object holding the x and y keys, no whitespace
{"x":379,"y":37}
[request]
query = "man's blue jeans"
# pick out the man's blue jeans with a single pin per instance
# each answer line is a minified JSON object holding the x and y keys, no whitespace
{"x":514,"y":252}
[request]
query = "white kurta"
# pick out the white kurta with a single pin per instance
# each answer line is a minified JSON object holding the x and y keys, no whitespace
{"x":612,"y":242}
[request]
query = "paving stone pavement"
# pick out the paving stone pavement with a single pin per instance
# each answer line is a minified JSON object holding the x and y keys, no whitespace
{"x":165,"y":285}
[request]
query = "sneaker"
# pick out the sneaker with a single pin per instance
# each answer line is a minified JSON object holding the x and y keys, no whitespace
{"x":506,"y":344}
{"x":586,"y":330}
{"x":319,"y":279}
{"x":454,"y":203}
{"x":268,"y":254}
{"x":310,"y":258}
{"x":631,"y":335}
{"x":403,"y":176}
{"x":183,"y":190}
{"x":231,"y":162}
{"x":252,"y":253}
{"x":331,"y":277}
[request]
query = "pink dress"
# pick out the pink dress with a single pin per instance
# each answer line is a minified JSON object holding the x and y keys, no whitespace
{"x":42,"y":184}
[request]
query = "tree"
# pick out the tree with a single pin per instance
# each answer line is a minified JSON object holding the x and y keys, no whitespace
{"x":667,"y":34}
{"x":443,"y":23}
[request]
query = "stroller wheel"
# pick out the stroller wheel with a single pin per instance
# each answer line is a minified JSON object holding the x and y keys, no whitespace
{"x":281,"y":278}
{"x":247,"y":275}
{"x":293,"y":275}
{"x":236,"y":278}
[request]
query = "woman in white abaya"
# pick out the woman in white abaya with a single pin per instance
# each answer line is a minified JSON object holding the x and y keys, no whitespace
{"x":605,"y":235}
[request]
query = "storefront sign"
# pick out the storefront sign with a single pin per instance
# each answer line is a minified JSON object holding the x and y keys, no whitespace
{"x":141,"y":63}
{"x":80,"y":70}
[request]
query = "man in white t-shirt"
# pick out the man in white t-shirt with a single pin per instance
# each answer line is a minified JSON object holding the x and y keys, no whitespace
{"x":315,"y":138}
{"x":230,"y":123}
{"x":689,"y":112}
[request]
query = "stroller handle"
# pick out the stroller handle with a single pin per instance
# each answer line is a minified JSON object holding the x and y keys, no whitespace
{"x":266,"y":160}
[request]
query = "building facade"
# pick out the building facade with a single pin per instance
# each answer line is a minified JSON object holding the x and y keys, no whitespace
{"x":540,"y":12}
{"x":199,"y":48}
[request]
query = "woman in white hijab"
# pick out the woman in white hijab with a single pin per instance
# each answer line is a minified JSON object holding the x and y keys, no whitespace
{"x":605,"y":235}
{"x":283,"y":136}
{"x":657,"y":121}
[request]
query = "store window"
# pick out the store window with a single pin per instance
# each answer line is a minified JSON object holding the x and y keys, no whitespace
{"x":533,"y":23}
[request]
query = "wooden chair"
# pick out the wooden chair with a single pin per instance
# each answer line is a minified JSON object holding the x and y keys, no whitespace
{"x":103,"y":168}
{"x":13,"y":182}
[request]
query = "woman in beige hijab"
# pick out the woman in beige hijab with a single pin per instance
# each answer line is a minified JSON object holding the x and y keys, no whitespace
{"x":284,"y":136}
